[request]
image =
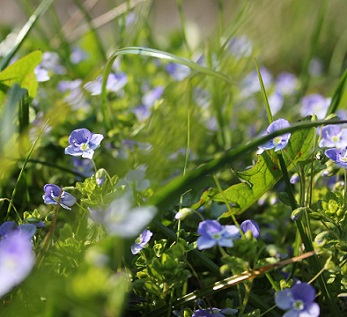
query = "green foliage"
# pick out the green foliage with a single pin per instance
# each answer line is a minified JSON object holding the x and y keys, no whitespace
{"x":265,"y":174}
{"x":191,"y":149}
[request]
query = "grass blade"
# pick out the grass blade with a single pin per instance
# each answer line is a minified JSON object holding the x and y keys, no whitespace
{"x":24,"y":32}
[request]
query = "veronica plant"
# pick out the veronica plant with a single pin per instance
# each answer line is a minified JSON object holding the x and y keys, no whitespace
{"x":213,"y":233}
{"x":338,"y":156}
{"x":279,"y":142}
{"x":53,"y":195}
{"x":83,"y":143}
{"x":16,"y":259}
{"x":298,"y":301}
{"x":121,"y":219}
{"x":141,"y":241}
{"x":333,"y":136}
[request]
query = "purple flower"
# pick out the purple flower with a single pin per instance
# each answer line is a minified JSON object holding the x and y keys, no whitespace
{"x":84,"y":167}
{"x":338,"y":156}
{"x":240,"y":46}
{"x":251,"y":85}
{"x":287,"y":83}
{"x":177,"y":71}
{"x":120,"y":219}
{"x":141,"y":241}
{"x":214,"y":312}
{"x":314,"y":104}
{"x":279,"y":142}
{"x":276,"y":102}
{"x":83,"y":143}
{"x":41,"y":74}
{"x":16,"y":260}
{"x":52,"y":193}
{"x":148,"y":100}
{"x":10,"y":227}
{"x":115,"y":82}
{"x":298,"y":301}
{"x":77,"y":55}
{"x":333,"y":136}
{"x":250,"y":225}
{"x":295,"y":178}
{"x":151,"y":96}
{"x":212,"y":233}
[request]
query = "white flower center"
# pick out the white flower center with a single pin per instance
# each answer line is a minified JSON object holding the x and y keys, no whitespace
{"x":277,"y":140}
{"x":298,"y":304}
{"x":84,"y":146}
{"x":216,"y":236}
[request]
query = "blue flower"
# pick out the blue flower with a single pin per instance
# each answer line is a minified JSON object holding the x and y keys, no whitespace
{"x":16,"y":260}
{"x":240,"y":46}
{"x":52,"y":193}
{"x":213,"y":233}
{"x":83,"y":143}
{"x":315,"y":104}
{"x":287,"y":83}
{"x":115,"y":82}
{"x":279,"y":142}
{"x":214,"y":312}
{"x":333,"y":136}
{"x":120,"y":219}
{"x":10,"y":227}
{"x":338,"y":156}
{"x":177,"y":71}
{"x":141,"y":241}
{"x":250,"y":225}
{"x":298,"y":301}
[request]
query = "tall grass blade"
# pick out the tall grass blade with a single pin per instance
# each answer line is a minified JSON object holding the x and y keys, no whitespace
{"x":24,"y":32}
{"x":150,"y":52}
{"x":336,"y":99}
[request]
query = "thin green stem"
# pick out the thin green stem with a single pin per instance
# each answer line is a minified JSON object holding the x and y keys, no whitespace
{"x":314,"y":262}
{"x":22,"y":170}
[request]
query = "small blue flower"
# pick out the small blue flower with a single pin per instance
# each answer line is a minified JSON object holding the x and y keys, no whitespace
{"x":177,"y":71}
{"x":240,"y":46}
{"x":120,"y":219}
{"x":141,"y":241}
{"x":83,"y":143}
{"x":115,"y":82}
{"x":250,"y":225}
{"x":52,"y":193}
{"x":9,"y":227}
{"x":213,"y":233}
{"x":279,"y":142}
{"x":298,"y":301}
{"x":314,"y":104}
{"x":287,"y":83}
{"x":338,"y":156}
{"x":16,"y":260}
{"x":214,"y":312}
{"x":333,"y":136}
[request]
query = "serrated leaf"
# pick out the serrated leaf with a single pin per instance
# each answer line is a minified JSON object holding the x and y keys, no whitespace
{"x":21,"y":72}
{"x":265,"y":173}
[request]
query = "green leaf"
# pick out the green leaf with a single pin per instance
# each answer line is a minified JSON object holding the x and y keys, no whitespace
{"x":7,"y":118}
{"x":265,"y":173}
{"x":22,"y":73}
